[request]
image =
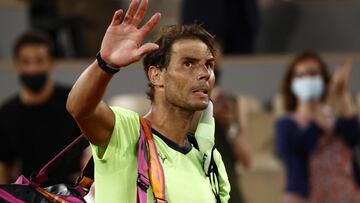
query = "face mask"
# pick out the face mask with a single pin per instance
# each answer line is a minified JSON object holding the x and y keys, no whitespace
{"x":33,"y":82}
{"x":308,"y":88}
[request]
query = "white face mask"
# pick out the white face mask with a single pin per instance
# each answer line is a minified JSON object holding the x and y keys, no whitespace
{"x":308,"y":88}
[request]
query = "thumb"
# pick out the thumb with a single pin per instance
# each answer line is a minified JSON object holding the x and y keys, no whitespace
{"x":148,"y":47}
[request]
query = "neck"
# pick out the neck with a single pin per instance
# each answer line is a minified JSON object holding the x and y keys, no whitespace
{"x":171,"y":121}
{"x":306,"y":110}
{"x":32,"y":98}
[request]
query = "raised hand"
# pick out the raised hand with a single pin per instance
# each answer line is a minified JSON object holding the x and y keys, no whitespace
{"x":122,"y":43}
{"x":339,"y":97}
{"x":341,"y":78}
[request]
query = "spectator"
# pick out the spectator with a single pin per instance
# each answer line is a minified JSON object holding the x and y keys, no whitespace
{"x":315,"y":140}
{"x":230,"y":133}
{"x":34,"y":123}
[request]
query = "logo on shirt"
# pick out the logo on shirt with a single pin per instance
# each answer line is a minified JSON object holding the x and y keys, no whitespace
{"x":162,"y":157}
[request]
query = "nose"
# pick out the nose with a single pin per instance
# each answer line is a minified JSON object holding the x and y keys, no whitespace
{"x":204,"y":73}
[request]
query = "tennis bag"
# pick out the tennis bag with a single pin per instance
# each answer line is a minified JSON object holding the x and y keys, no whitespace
{"x":31,"y":190}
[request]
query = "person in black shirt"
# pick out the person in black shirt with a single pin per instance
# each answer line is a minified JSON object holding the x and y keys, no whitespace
{"x":34,"y":123}
{"x":230,"y":133}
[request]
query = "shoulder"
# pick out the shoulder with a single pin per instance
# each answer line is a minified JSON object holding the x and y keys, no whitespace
{"x":13,"y":102}
{"x":60,"y":93}
{"x":125,"y":119}
{"x":61,"y":89}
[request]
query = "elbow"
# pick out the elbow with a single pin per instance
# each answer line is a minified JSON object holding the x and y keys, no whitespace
{"x":77,"y":109}
{"x":71,"y":107}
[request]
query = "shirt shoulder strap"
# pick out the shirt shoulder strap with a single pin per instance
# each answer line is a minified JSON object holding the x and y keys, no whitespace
{"x":150,"y":171}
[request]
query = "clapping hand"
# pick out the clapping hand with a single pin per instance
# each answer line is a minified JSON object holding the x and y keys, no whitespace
{"x":339,"y":97}
{"x":340,"y":81}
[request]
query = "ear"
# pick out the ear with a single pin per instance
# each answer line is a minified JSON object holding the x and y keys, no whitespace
{"x":156,"y":77}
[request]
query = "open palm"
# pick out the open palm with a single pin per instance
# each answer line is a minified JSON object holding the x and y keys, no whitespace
{"x":341,"y":79}
{"x":122,"y":43}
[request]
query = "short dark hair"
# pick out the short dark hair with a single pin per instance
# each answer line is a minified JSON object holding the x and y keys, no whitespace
{"x":167,"y":36}
{"x":34,"y":37}
{"x":289,"y":98}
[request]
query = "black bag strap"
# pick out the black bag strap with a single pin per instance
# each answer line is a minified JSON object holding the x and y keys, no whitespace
{"x":214,"y":177}
{"x":47,"y":171}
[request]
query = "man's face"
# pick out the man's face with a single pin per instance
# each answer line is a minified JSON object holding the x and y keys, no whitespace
{"x":189,"y":77}
{"x":33,"y":59}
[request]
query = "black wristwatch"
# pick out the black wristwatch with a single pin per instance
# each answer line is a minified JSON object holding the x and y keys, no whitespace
{"x":104,"y":66}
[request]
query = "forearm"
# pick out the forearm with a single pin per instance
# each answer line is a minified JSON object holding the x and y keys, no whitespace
{"x":87,"y":93}
{"x":241,"y":150}
{"x":346,"y":106}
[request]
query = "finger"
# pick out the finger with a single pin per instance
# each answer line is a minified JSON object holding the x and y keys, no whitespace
{"x":337,"y":74}
{"x":148,"y":47}
{"x":140,"y":13}
{"x":348,"y":65}
{"x":117,"y":17}
{"x":131,"y":11}
{"x":150,"y":24}
{"x":341,"y":73}
{"x":347,"y":72}
{"x":348,"y":62}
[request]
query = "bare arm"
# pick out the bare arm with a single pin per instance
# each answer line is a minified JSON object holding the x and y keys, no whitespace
{"x":340,"y":88}
{"x":93,"y":116}
{"x":338,"y":102}
{"x":120,"y":47}
{"x":241,"y":149}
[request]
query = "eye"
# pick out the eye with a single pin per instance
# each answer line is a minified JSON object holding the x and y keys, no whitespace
{"x":188,"y":64}
{"x":24,"y":61}
{"x":210,"y":65}
{"x":40,"y":60}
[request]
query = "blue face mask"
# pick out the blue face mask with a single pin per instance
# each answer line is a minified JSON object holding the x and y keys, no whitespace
{"x":309,"y":88}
